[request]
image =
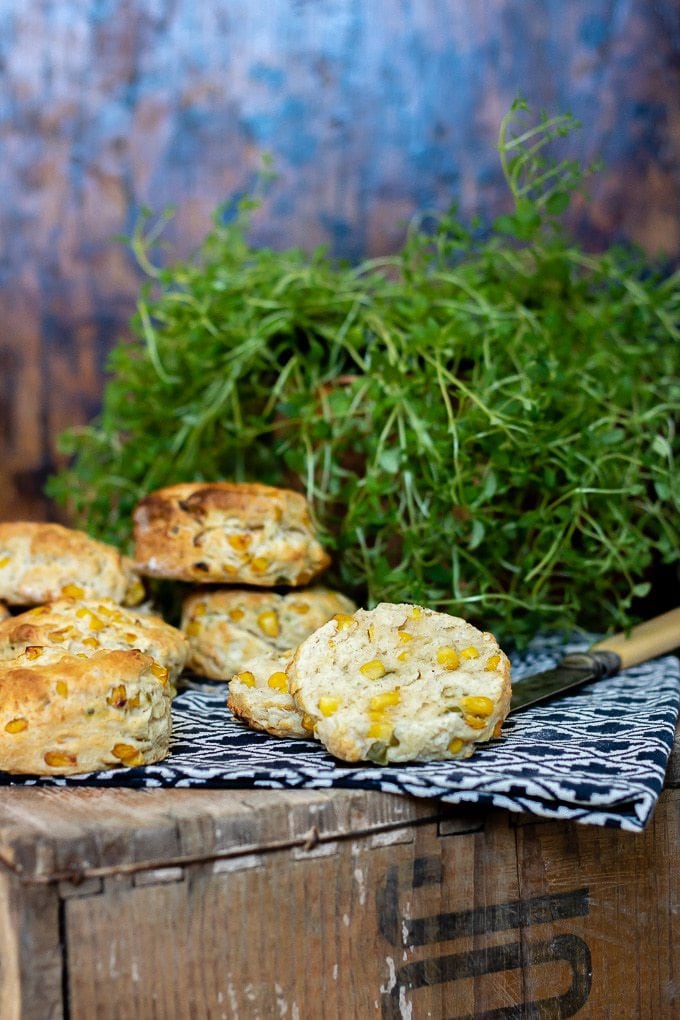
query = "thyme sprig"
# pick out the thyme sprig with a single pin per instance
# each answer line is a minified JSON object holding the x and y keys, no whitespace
{"x":484,"y":422}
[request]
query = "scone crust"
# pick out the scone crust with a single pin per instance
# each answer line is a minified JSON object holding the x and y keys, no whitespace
{"x":64,"y":715}
{"x":4,"y":611}
{"x":262,"y":706}
{"x":227,"y":626}
{"x":81,"y":626}
{"x":410,"y":684}
{"x":227,"y":533}
{"x":38,"y":561}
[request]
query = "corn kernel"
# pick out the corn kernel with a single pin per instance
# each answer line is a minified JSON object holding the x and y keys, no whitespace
{"x":470,"y":652}
{"x":200,"y":609}
{"x":58,"y":635}
{"x":91,"y":642}
{"x":33,"y":651}
{"x":300,"y":607}
{"x":447,"y":656}
{"x":259,"y":564}
{"x":160,"y":672}
{"x":386,"y":700}
{"x":127,"y":754}
{"x":72,"y":591}
{"x":403,"y":656}
{"x":492,"y":663}
{"x":373,"y":670}
{"x":236,"y":614}
{"x":134,"y":702}
{"x":268,"y":622}
{"x":246,"y":678}
{"x":477,"y":705}
{"x":308,"y":723}
{"x":327,"y":706}
{"x":117,"y":696}
{"x":415,"y":613}
{"x":474,"y":722}
{"x":192,"y":629}
{"x":59,"y":759}
{"x":130,"y":637}
{"x":61,"y":688}
{"x":229,"y":568}
{"x":404,"y":636}
{"x":278,"y":682}
{"x":379,"y":731}
{"x":4,"y":560}
{"x":135,"y":593}
{"x":16,"y":726}
{"x":239,"y":542}
{"x":344,"y":620}
{"x":377,"y":715}
{"x":456,"y":745}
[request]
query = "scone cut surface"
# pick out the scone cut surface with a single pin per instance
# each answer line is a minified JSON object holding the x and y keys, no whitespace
{"x":259,"y":696}
{"x":227,"y":533}
{"x":67,"y":714}
{"x":81,"y":626}
{"x":227,"y":626}
{"x":401,"y":683}
{"x":42,"y":562}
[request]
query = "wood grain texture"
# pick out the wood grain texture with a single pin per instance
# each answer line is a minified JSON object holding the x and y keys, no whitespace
{"x":50,"y":834}
{"x":371,"y":112}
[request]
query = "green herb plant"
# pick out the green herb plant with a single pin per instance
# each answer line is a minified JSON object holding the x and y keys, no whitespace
{"x":483,"y":423}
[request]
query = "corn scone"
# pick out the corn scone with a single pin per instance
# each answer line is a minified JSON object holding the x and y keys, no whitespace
{"x":41,"y":562}
{"x":67,"y":714}
{"x":259,"y":696}
{"x":226,"y":626}
{"x":85,"y":625}
{"x":227,"y":533}
{"x":400,"y":683}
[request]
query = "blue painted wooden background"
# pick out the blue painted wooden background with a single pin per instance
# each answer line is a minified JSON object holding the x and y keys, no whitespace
{"x":372,"y":110}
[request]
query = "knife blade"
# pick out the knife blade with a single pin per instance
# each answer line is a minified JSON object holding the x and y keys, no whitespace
{"x":606,"y":658}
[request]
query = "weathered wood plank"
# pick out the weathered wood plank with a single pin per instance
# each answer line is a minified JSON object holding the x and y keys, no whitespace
{"x":46,"y":834}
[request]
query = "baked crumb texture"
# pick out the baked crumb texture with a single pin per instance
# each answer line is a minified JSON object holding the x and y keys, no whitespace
{"x":225,"y":627}
{"x":400,"y":683}
{"x":259,"y":696}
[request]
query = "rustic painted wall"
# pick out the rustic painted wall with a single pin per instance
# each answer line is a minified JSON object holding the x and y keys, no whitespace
{"x":372,"y":110}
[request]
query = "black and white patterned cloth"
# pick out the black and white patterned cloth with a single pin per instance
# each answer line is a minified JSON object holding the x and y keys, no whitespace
{"x":597,"y":756}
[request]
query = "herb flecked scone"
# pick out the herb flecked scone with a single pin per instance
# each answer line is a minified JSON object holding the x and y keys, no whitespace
{"x":81,"y":626}
{"x":401,"y":683}
{"x":226,"y":626}
{"x":41,"y":562}
{"x":67,"y":714}
{"x":259,"y":696}
{"x":227,"y":533}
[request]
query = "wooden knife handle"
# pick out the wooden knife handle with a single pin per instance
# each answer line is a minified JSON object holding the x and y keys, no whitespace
{"x":646,"y":641}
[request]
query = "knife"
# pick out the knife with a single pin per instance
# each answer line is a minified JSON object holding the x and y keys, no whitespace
{"x":606,"y":658}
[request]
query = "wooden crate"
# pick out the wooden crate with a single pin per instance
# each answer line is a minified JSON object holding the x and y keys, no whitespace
{"x":194,"y":905}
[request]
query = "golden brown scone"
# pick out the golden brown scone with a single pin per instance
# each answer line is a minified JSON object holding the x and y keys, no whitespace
{"x":226,"y":626}
{"x":227,"y":533}
{"x":85,"y":625}
{"x":401,"y":683}
{"x":63,"y":714}
{"x":258,"y":695}
{"x":41,"y":562}
{"x":4,"y":611}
